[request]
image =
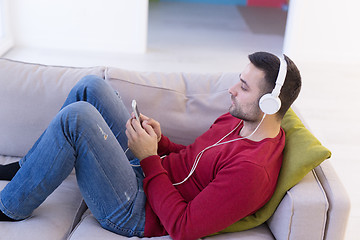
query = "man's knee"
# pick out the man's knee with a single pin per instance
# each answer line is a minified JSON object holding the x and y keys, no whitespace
{"x":91,"y":80}
{"x":91,"y":85}
{"x":78,"y":112}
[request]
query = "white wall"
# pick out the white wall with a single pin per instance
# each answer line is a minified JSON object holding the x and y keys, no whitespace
{"x":95,"y":25}
{"x":6,"y":39}
{"x":323,"y":31}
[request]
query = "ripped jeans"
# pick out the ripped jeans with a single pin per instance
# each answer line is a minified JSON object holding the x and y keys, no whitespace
{"x":88,"y":134}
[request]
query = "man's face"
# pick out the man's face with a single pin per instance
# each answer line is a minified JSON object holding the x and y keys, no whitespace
{"x":246,"y":93}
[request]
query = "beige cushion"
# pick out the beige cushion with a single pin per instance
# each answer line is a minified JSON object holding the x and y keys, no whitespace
{"x":54,"y":219}
{"x":30,"y":96}
{"x":185,"y":104}
{"x":89,"y":228}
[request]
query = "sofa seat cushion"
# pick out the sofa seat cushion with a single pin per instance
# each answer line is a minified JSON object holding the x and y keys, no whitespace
{"x":89,"y":228}
{"x":54,"y":219}
{"x":31,"y":95}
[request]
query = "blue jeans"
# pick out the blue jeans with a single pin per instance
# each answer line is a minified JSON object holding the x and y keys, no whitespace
{"x":89,"y":134}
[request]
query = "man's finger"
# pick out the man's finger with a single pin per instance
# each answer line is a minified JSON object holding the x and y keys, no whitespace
{"x":148,"y":128}
{"x":136,"y":125}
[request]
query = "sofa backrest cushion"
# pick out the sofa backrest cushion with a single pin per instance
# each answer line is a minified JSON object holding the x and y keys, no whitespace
{"x":30,"y":96}
{"x":185,"y":104}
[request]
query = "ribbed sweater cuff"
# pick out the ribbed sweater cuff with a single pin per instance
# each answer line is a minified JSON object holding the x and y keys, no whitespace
{"x":151,"y":166}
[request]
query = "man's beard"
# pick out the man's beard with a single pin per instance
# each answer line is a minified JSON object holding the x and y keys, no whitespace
{"x":254,"y":114}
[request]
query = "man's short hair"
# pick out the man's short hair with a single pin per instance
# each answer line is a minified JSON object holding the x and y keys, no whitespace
{"x":270,"y":65}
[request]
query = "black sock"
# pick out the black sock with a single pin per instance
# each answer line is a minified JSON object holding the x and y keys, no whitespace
{"x":8,"y":171}
{"x":4,"y":218}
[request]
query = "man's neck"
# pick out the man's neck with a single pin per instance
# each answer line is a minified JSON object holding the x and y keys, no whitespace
{"x":269,"y":128}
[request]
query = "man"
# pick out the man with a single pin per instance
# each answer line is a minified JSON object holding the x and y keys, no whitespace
{"x":228,"y":173}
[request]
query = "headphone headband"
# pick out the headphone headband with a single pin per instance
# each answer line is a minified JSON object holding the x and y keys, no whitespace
{"x":270,"y":103}
{"x":281,"y":77}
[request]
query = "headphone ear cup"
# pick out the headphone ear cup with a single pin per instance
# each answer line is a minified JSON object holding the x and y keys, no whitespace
{"x":269,"y":104}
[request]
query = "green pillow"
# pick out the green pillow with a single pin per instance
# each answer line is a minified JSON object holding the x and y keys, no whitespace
{"x":302,"y":153}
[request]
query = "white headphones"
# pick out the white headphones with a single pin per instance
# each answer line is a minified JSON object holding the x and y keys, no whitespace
{"x":270,"y":103}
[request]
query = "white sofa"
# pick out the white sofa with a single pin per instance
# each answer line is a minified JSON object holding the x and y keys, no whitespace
{"x":185,"y":104}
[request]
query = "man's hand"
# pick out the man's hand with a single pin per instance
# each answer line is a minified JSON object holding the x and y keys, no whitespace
{"x":142,"y":141}
{"x":153,"y":123}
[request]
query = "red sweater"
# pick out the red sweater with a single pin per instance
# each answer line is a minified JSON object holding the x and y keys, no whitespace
{"x":231,"y":181}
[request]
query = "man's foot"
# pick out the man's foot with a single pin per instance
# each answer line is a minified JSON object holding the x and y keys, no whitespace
{"x":4,"y":218}
{"x":8,"y":171}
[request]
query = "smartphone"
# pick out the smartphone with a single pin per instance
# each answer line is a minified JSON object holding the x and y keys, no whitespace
{"x":136,"y":110}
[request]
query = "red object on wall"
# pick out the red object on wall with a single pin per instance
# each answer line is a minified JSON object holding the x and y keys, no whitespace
{"x":266,"y":3}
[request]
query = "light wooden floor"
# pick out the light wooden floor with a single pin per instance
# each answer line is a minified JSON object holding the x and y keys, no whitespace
{"x":212,"y":38}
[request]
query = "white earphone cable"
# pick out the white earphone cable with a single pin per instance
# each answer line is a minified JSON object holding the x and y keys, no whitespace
{"x":218,"y":143}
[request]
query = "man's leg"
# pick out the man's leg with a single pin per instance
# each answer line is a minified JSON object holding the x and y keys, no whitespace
{"x":79,"y":136}
{"x":101,"y":95}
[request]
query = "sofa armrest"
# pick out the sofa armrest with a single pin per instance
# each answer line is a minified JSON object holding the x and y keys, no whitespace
{"x":339,"y":201}
{"x":302,"y":214}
